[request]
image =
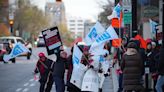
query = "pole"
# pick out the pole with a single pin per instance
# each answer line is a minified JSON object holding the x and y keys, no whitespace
{"x":134,"y":17}
{"x":11,"y":30}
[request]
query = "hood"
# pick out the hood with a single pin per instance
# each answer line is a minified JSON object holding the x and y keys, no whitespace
{"x":131,"y":51}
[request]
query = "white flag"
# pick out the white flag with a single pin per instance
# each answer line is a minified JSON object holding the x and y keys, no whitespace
{"x":77,"y":55}
{"x":109,"y":34}
{"x":116,"y":12}
{"x":96,"y":30}
{"x":16,"y":51}
{"x":78,"y":74}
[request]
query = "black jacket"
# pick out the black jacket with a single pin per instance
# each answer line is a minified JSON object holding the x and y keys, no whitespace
{"x":161,"y":62}
{"x":59,"y":67}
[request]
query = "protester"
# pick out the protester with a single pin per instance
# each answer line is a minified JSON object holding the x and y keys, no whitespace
{"x":153,"y":64}
{"x":59,"y":70}
{"x":131,"y":66}
{"x":160,"y":81}
{"x":44,"y":67}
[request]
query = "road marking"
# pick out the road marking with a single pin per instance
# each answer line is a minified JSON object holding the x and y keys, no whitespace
{"x":25,"y":90}
{"x":33,"y":84}
{"x":19,"y":89}
{"x":31,"y":80}
{"x":26,"y":84}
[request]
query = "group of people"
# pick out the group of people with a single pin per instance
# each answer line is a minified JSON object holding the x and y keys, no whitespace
{"x":135,"y":62}
{"x":51,"y":71}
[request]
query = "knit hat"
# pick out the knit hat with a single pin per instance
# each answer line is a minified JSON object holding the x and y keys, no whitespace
{"x":132,"y":45}
{"x":41,"y":54}
{"x":153,"y":43}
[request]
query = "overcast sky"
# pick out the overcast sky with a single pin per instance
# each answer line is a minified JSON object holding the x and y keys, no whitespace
{"x":87,"y":9}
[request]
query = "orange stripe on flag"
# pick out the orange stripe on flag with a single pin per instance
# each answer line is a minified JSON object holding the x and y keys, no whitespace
{"x":116,"y":42}
{"x":143,"y":43}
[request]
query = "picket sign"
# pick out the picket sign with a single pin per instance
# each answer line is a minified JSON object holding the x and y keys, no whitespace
{"x":90,"y":81}
{"x":78,"y":74}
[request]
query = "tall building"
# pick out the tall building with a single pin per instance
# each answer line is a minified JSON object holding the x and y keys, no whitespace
{"x":56,"y":11}
{"x":75,"y":25}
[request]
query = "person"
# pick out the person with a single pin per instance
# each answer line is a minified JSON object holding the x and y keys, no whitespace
{"x":153,"y":64}
{"x":44,"y":67}
{"x":160,"y":81}
{"x":131,"y":66}
{"x":59,"y":70}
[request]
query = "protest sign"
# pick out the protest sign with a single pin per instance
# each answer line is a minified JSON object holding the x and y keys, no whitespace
{"x":52,"y":40}
{"x":90,"y":81}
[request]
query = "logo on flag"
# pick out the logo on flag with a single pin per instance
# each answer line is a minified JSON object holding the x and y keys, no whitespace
{"x":96,"y":30}
{"x":109,"y":34}
{"x":77,"y":55}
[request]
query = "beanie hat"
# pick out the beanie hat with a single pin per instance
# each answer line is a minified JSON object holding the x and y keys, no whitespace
{"x":41,"y":54}
{"x":132,"y":45}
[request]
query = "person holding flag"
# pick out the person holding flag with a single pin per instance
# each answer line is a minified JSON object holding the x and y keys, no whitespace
{"x":44,"y":67}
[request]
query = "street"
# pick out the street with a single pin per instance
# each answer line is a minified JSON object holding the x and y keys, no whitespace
{"x":18,"y":77}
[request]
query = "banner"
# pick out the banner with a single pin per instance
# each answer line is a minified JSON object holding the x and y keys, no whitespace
{"x":153,"y":26}
{"x":77,"y":75}
{"x":96,"y":30}
{"x":52,"y":40}
{"x":109,"y":34}
{"x":76,"y":57}
{"x":116,"y":12}
{"x":90,"y":81}
{"x":18,"y":49}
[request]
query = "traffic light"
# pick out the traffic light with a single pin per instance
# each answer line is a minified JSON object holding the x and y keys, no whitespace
{"x":11,"y":22}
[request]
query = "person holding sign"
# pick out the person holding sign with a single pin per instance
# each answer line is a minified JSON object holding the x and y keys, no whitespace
{"x":44,"y":67}
{"x":59,"y":70}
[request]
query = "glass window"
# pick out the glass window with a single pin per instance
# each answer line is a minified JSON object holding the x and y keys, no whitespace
{"x":21,"y":41}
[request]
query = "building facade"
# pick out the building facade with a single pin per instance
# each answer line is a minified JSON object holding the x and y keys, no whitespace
{"x":56,"y":12}
{"x":76,"y":26}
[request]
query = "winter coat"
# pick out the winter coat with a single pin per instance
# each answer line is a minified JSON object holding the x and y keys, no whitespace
{"x":132,"y":70}
{"x":59,"y":67}
{"x":44,"y":70}
{"x":161,"y":62}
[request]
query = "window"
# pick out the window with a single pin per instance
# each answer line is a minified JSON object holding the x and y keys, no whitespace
{"x":80,"y":20}
{"x":80,"y":29}
{"x":72,"y":28}
{"x":72,"y":24}
{"x":80,"y":24}
{"x":21,"y":41}
{"x":71,"y":20}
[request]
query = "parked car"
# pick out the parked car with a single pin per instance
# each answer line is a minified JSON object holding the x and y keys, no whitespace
{"x":13,"y":40}
{"x":40,"y":42}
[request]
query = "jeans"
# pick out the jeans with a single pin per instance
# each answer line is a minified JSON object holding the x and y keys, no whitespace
{"x":60,"y":86}
{"x":120,"y":83}
{"x":160,"y":83}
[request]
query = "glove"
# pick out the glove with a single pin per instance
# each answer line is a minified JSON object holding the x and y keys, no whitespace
{"x":100,"y":71}
{"x":106,"y":75}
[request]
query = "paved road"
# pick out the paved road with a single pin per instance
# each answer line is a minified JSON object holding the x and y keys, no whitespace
{"x":18,"y":77}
